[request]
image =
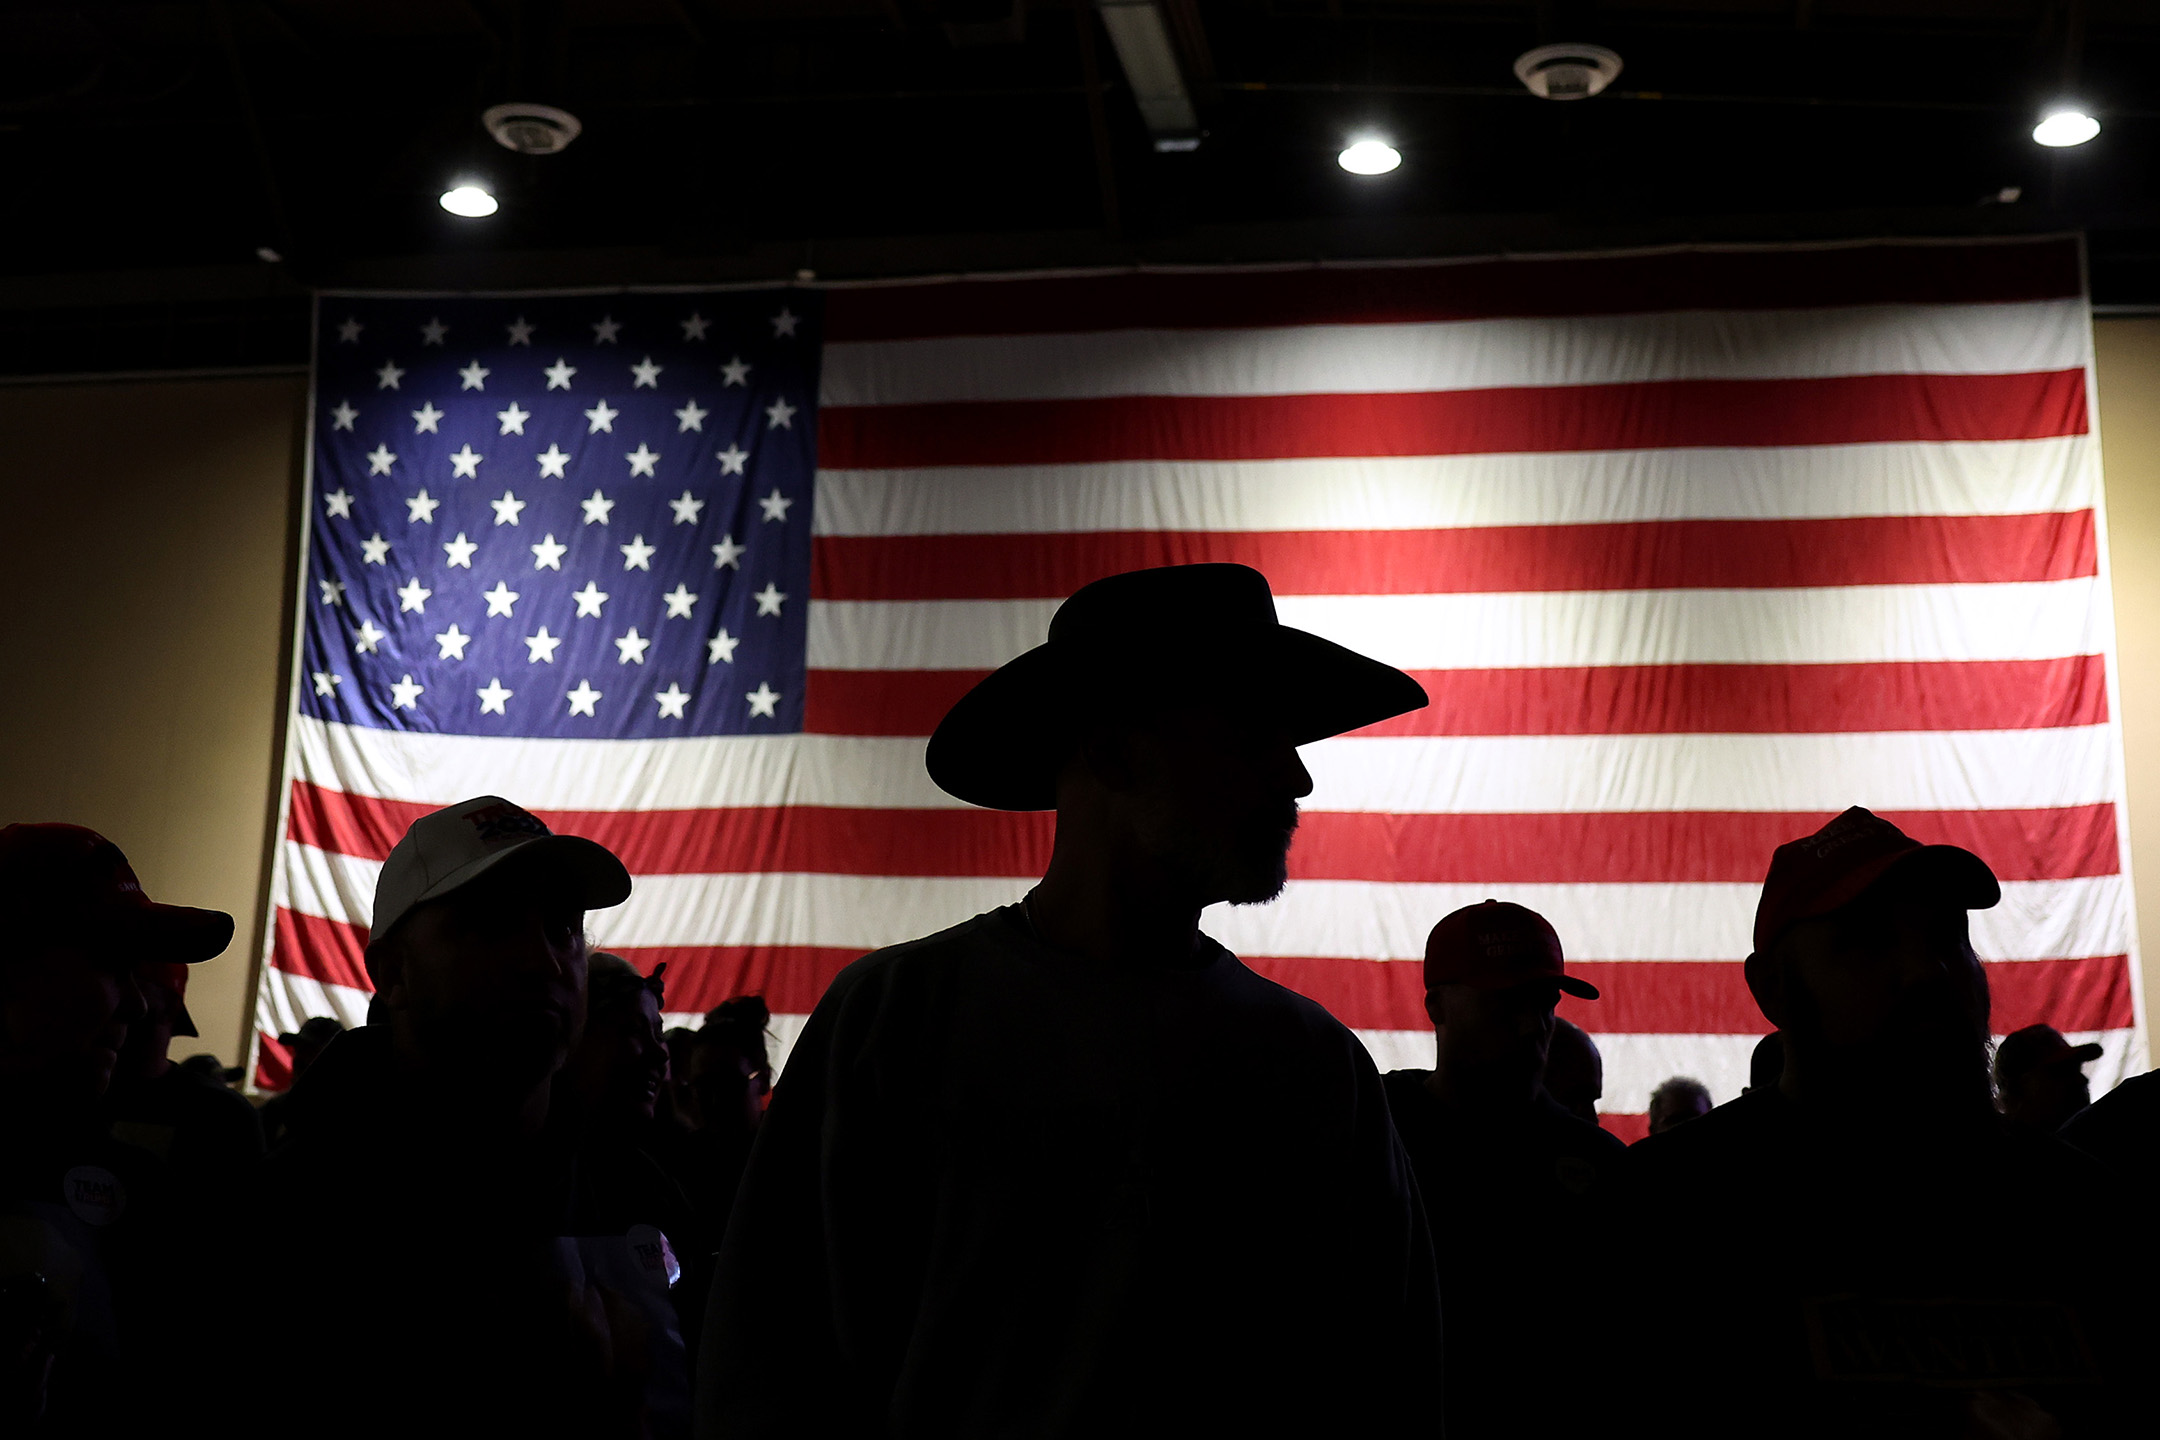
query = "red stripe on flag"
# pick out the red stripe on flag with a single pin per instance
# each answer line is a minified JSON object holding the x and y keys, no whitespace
{"x":1593,"y":848}
{"x":1699,"y":997}
{"x":1652,"y":415}
{"x":1612,"y":285}
{"x":1647,"y":555}
{"x":1611,"y":699}
{"x":1626,"y":1128}
{"x":331,"y":951}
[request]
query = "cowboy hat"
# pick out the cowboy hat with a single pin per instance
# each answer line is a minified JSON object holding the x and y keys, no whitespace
{"x":1136,"y":643}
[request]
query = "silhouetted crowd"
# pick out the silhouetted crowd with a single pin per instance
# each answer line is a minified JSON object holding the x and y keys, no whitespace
{"x":1068,"y":1168}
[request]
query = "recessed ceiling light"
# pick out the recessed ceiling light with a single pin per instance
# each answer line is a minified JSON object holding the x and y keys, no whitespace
{"x":471,"y":201}
{"x":1369,"y":157}
{"x":2065,"y":127}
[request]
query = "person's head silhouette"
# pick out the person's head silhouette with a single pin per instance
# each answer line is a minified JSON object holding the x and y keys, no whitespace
{"x":2040,"y":1078}
{"x":1493,"y":974}
{"x":80,"y":931}
{"x":621,"y":1063}
{"x":1863,"y":963}
{"x":1574,"y":1071}
{"x":1677,"y":1101}
{"x":478,"y":958}
{"x":1161,"y":720}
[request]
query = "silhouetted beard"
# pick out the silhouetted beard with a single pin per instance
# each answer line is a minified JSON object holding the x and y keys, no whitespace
{"x":1257,"y":861}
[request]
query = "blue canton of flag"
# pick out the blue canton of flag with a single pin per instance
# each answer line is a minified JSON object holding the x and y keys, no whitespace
{"x":563,"y":516}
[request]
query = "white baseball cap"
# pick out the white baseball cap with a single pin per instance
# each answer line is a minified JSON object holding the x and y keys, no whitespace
{"x":449,"y":849}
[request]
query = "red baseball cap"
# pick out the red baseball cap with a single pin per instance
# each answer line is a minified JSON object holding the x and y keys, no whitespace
{"x":1834,"y":866}
{"x":62,"y":881}
{"x":1496,"y":945}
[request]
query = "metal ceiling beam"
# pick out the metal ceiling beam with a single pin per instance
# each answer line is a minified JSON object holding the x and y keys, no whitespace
{"x":1141,"y":38}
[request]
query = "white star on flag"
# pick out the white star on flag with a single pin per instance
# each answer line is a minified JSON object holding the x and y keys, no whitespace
{"x":763,"y":701}
{"x":333,"y":591}
{"x":547,"y":555}
{"x":672,"y":701}
{"x":602,"y":417}
{"x":727,"y":555}
{"x":507,"y":509}
{"x":475,"y":376}
{"x":768,"y":599}
{"x":380,"y":459}
{"x":405,"y":694}
{"x":367,"y":637}
{"x":420,"y":508}
{"x":540,"y":648}
{"x":375,"y":550}
{"x":559,"y":373}
{"x":343,"y":417}
{"x":679,"y":602}
{"x":521,"y":331}
{"x":583,"y":699}
{"x":694,"y":327}
{"x":721,"y":648}
{"x":348,"y":331}
{"x":453,"y":642}
{"x":554,"y":462}
{"x":387,"y":377}
{"x":642,"y":460}
{"x":460,"y":551}
{"x":513,"y":419}
{"x":465,"y":463}
{"x":735,"y":372}
{"x":645,"y":375}
{"x":784,"y":323}
{"x":775,"y":505}
{"x":632,"y":648}
{"x":433,"y":332}
{"x":413,"y":596}
{"x":603,"y":330}
{"x":692,"y":417}
{"x":427,"y":420}
{"x":686,"y":508}
{"x":338,"y":503}
{"x":325,"y":682}
{"x":780,"y":416}
{"x":589,"y":600}
{"x":500,"y":599}
{"x":637,"y":555}
{"x":493,"y":696}
{"x":596,"y":508}
{"x":731,"y":460}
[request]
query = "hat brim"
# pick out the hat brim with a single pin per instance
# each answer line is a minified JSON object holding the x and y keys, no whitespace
{"x":175,"y":934}
{"x":1003,"y":744}
{"x":1949,"y":871}
{"x":2087,"y":1052}
{"x":597,"y":880}
{"x":1574,"y":985}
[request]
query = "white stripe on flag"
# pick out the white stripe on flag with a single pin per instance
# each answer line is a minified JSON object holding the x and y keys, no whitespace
{"x":1992,"y":339}
{"x":1485,"y":774}
{"x":1831,"y":625}
{"x":1372,"y":920}
{"x":1439,"y":492}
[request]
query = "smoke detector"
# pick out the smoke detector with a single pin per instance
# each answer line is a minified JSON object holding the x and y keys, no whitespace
{"x":531,"y":129}
{"x":1567,"y":72}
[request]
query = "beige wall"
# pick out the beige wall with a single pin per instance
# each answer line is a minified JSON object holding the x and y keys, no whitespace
{"x":144,"y":584}
{"x":2128,"y":362}
{"x":141,"y":605}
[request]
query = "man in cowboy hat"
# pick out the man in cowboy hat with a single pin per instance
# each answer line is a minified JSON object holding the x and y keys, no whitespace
{"x":1070,"y":1168}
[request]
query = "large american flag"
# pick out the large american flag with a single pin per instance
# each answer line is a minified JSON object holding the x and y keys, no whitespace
{"x":1692,"y":549}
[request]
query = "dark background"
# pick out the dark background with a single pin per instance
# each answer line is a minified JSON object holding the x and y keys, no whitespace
{"x":151,"y":149}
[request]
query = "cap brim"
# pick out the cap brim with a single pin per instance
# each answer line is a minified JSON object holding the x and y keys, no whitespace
{"x":2086,"y":1052}
{"x":1574,"y":985}
{"x":1003,"y":744}
{"x":1953,"y":873}
{"x":176,"y":934}
{"x":596,"y":879}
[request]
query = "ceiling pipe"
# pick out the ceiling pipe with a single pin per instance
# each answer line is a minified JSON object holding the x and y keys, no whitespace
{"x":1142,"y":40}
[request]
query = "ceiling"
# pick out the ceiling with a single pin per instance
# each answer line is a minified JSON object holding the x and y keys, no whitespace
{"x":153,"y":148}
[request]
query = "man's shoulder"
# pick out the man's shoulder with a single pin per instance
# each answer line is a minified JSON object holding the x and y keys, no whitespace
{"x":1569,"y":1134}
{"x":1729,"y":1132}
{"x":2128,"y":1113}
{"x":971,"y":941}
